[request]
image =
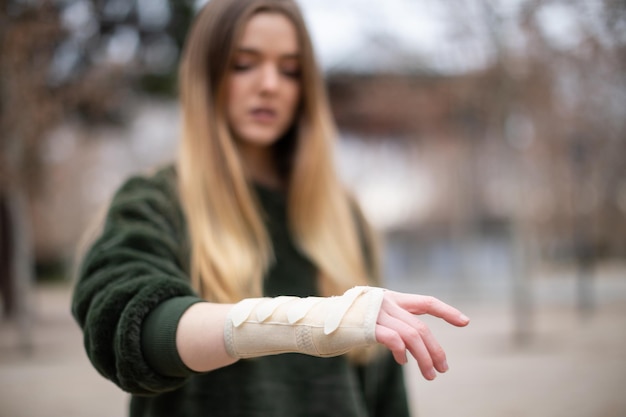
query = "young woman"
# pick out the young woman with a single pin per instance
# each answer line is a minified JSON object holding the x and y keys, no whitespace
{"x":207,"y":292}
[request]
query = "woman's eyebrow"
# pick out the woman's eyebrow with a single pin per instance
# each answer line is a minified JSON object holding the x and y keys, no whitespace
{"x":248,"y":49}
{"x":253,"y":51}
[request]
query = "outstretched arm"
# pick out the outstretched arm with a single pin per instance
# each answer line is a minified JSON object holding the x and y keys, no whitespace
{"x":211,"y":336}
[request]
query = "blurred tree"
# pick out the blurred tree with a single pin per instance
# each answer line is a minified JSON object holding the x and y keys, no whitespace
{"x":563,"y":108}
{"x":77,"y":59}
{"x":27,"y":38}
{"x":540,"y":125}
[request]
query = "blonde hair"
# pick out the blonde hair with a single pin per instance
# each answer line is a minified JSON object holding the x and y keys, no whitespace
{"x":230,"y":247}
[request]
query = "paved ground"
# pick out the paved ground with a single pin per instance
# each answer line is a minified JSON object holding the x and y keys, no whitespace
{"x":571,"y":367}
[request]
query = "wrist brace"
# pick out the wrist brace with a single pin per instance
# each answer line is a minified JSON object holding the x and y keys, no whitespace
{"x":318,"y":326}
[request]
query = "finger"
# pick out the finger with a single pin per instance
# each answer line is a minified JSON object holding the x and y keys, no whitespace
{"x":413,"y":342}
{"x":435,"y":350}
{"x":424,"y":304}
{"x":392,"y":340}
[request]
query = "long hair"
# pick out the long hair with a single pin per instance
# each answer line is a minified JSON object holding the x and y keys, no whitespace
{"x":230,"y":247}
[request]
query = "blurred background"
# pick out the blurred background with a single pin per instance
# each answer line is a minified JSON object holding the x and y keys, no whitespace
{"x":485,"y":139}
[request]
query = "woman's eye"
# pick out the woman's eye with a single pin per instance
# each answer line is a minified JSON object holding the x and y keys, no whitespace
{"x":292,"y":72}
{"x":242,"y":66}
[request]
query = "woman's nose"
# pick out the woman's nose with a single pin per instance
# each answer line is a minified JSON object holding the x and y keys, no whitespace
{"x":270,"y":79}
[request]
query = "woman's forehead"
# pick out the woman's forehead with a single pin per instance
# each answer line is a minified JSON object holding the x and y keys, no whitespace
{"x":269,"y":32}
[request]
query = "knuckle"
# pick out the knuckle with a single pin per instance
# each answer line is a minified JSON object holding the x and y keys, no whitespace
{"x":412,"y":333}
{"x":424,"y":330}
{"x":396,"y":343}
{"x":438,"y":353}
{"x":429,"y":301}
{"x":421,"y":327}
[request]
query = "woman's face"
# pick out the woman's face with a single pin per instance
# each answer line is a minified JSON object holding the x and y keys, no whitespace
{"x":264,"y":80}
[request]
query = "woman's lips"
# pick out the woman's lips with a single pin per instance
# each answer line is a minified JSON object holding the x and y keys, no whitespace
{"x":263,"y":115}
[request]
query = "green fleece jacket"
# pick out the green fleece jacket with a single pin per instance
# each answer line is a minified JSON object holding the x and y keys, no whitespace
{"x":133,"y":287}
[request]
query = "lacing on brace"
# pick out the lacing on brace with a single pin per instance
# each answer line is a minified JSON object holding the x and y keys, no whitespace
{"x":337,"y":309}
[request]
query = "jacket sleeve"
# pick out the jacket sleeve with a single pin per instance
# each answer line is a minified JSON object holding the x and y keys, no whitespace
{"x":136,"y":264}
{"x":383,"y":387}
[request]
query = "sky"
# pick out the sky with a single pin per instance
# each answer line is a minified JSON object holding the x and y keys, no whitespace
{"x":370,"y":35}
{"x":445,"y":36}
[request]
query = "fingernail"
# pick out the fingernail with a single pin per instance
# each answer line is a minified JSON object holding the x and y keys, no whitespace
{"x":464,"y":317}
{"x":445,"y":366}
{"x":432,"y":374}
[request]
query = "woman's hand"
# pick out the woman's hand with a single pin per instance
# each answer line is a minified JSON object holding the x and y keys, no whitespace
{"x":399,"y":329}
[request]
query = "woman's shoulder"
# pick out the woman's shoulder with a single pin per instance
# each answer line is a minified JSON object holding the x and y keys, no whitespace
{"x":158,"y":183}
{"x":162,"y":177}
{"x":148,"y":196}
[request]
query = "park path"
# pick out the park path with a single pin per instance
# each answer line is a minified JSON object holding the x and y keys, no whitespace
{"x":571,"y":366}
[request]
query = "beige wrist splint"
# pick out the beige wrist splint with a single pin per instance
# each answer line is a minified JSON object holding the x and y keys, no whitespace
{"x":318,"y":326}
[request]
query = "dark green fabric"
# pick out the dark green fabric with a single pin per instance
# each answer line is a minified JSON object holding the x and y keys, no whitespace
{"x":133,"y":287}
{"x":158,"y":337}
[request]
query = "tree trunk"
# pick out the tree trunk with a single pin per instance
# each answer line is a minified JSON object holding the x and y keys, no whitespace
{"x":7,"y":288}
{"x":22,"y":264}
